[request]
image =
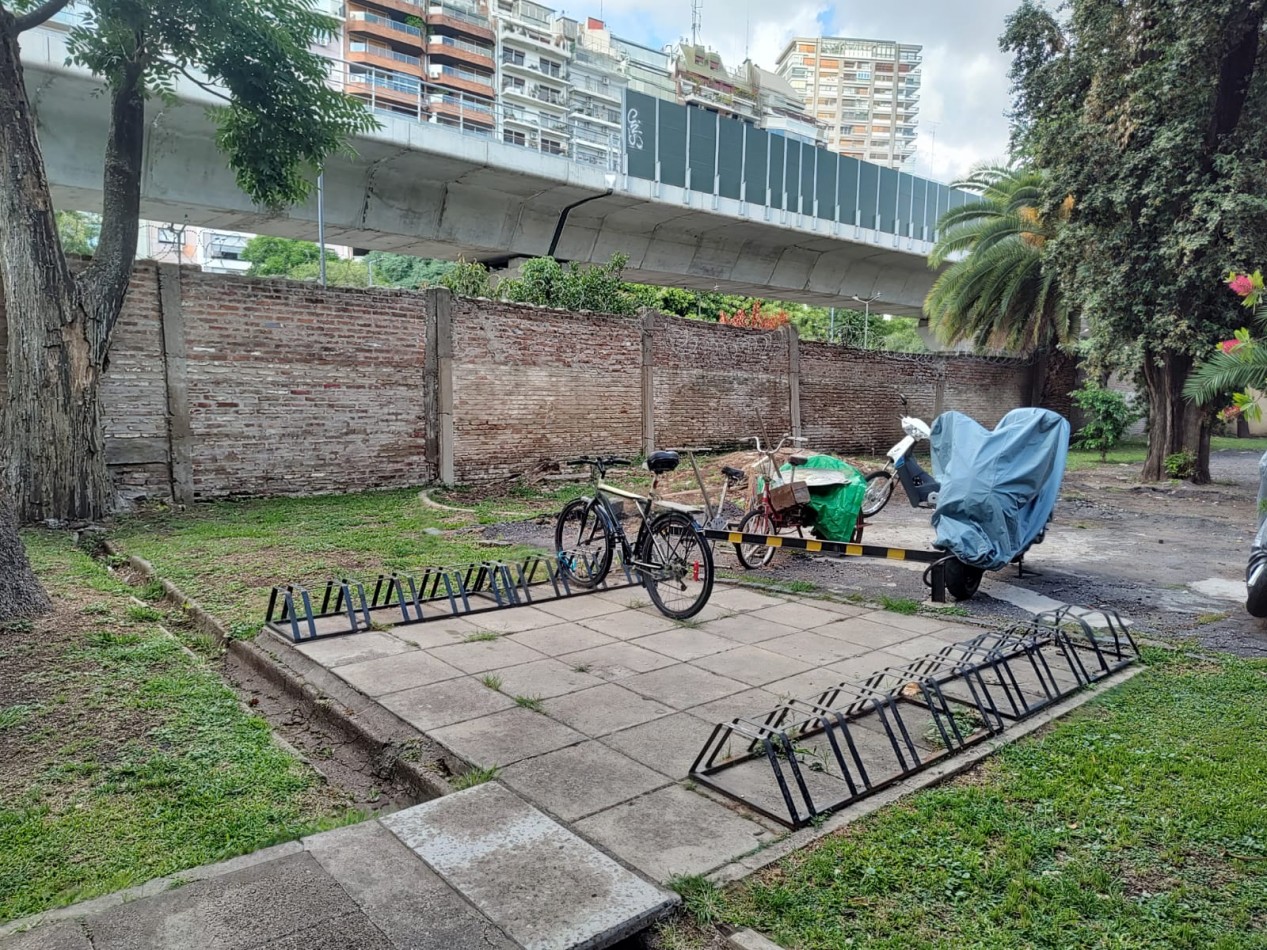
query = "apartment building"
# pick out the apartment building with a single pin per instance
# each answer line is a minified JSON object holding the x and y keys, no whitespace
{"x":597,"y":92}
{"x":865,"y":92}
{"x":532,"y":61}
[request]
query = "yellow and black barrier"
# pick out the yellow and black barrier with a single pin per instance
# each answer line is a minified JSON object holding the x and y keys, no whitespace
{"x":841,"y":549}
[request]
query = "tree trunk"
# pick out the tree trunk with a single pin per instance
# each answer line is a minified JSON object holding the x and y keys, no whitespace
{"x":20,"y":593}
{"x":1174,"y":423}
{"x":59,"y":329}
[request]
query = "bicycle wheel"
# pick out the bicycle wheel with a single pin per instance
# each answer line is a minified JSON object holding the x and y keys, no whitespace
{"x":753,"y":556}
{"x":879,"y":490}
{"x":583,"y":542}
{"x":676,"y":566}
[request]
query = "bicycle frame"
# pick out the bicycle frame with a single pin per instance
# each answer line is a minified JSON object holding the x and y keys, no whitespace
{"x":646,"y":505}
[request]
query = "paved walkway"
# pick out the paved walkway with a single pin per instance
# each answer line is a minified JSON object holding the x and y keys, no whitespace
{"x":626,"y":697}
{"x":524,"y":882}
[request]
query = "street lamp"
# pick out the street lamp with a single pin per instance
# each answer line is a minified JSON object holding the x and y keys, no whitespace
{"x":866,"y":325}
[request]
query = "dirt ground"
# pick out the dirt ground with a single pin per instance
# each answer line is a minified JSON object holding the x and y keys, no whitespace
{"x":1169,"y":558}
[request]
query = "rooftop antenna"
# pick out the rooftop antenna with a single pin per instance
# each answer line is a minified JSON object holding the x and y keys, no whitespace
{"x":697,"y":17}
{"x":747,"y":39}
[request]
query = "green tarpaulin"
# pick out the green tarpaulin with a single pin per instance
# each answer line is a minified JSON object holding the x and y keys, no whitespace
{"x":836,"y":507}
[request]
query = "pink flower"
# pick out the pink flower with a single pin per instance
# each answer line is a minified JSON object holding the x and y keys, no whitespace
{"x":1227,"y":346}
{"x":1242,"y":285}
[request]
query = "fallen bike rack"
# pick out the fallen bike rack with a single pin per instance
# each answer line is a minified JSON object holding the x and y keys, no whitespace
{"x":810,"y":757}
{"x":339,"y":607}
{"x":844,"y":549}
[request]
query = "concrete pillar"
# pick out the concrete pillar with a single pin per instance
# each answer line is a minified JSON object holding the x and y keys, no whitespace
{"x":438,"y":385}
{"x":176,"y":373}
{"x":648,"y":382}
{"x":794,"y":378}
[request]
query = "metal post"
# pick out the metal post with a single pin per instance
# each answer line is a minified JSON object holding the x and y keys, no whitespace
{"x":321,"y":225}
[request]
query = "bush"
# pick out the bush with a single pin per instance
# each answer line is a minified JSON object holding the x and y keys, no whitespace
{"x":1181,"y":464}
{"x":1110,"y":416}
{"x":468,"y":279}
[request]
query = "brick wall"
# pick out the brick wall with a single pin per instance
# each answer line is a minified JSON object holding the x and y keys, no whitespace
{"x":532,"y":384}
{"x":225,"y":385}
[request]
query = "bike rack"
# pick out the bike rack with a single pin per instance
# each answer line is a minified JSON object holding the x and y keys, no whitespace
{"x":844,"y":549}
{"x":809,"y":757}
{"x":340,"y":607}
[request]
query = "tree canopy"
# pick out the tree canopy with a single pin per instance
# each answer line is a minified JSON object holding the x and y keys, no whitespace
{"x":1153,"y":116}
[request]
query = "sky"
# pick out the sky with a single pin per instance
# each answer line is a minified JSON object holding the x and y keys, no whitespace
{"x":965,"y":89}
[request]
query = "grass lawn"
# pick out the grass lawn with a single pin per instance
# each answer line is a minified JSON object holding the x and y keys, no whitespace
{"x":227,"y":555}
{"x":1134,"y":451}
{"x":126,"y":757}
{"x":1139,"y":821}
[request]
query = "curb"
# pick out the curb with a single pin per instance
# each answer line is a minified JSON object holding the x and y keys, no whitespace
{"x":324,"y":697}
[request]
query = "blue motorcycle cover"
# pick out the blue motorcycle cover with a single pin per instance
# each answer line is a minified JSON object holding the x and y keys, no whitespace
{"x":998,"y":489}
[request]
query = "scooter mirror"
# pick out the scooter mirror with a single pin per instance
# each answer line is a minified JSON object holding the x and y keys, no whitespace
{"x":902,"y":396}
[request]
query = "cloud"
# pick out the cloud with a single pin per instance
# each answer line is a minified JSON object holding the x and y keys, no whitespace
{"x":965,"y":90}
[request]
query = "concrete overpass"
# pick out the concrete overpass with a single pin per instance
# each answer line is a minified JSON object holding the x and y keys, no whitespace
{"x":415,"y":187}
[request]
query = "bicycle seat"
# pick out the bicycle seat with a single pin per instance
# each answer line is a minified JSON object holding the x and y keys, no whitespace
{"x":660,"y":462}
{"x":734,"y":474}
{"x":797,"y":460}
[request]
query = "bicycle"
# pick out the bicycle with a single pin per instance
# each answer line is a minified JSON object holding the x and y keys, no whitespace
{"x":716,"y":517}
{"x":670,"y":555}
{"x":770,"y":515}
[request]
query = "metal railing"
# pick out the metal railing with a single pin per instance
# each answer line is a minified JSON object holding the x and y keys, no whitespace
{"x":475,"y":48}
{"x":484,"y":79}
{"x":396,"y":25}
{"x":385,"y":52}
{"x":459,"y":13}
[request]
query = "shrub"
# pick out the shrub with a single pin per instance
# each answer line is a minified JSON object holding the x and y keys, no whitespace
{"x":1181,"y":464}
{"x":1110,"y":415}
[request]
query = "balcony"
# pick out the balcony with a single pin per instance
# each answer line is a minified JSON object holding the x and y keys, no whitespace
{"x":607,"y":117}
{"x":535,"y":40}
{"x":459,"y":50}
{"x":381,"y":56}
{"x":467,"y":112}
{"x":603,"y":90}
{"x":394,"y":89}
{"x":361,"y":21}
{"x":513,"y":115}
{"x":549,"y":98}
{"x":460,"y":19}
{"x":465,"y":80}
{"x":407,"y":7}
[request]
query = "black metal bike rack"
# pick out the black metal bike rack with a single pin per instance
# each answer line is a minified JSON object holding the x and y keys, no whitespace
{"x":809,"y":757}
{"x":340,"y":607}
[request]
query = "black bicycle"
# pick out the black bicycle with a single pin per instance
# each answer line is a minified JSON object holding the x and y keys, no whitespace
{"x":669,"y":554}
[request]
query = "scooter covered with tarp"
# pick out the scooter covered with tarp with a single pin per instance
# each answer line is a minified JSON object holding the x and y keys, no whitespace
{"x":1256,"y":572}
{"x":998,"y":489}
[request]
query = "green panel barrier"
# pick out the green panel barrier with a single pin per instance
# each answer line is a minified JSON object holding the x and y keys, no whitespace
{"x":921,"y":197}
{"x":848,"y":189}
{"x":868,"y":193}
{"x":756,"y":164}
{"x":905,"y":204}
{"x":703,"y":157}
{"x":888,"y":200}
{"x":795,"y":180}
{"x":825,"y":183}
{"x":640,"y":135}
{"x":777,"y":145}
{"x":730,"y":159}
{"x":672,"y":143}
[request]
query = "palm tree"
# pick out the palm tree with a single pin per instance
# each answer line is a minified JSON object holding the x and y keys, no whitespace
{"x":1240,"y":364}
{"x":998,"y":293}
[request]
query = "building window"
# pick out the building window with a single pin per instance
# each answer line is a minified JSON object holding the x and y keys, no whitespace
{"x":173,"y":237}
{"x":513,"y":56}
{"x":551,"y":147}
{"x":514,"y":138}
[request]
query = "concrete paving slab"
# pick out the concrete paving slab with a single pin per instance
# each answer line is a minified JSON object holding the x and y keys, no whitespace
{"x":753,"y":665}
{"x":630,"y":624}
{"x":668,"y":745}
{"x":484,"y":655}
{"x":68,"y":935}
{"x":866,"y":633}
{"x":352,"y":648}
{"x":391,"y":674}
{"x":256,"y":906}
{"x":745,"y":628}
{"x":505,"y":737}
{"x":864,"y":664}
{"x":808,"y":684}
{"x":684,"y":643}
{"x":545,"y":678}
{"x":605,"y":709}
{"x":617,"y":660}
{"x":562,"y":638}
{"x":446,"y":702}
{"x":841,"y":610}
{"x":814,"y":649}
{"x":683,"y":686}
{"x":749,"y":703}
{"x":579,"y":608}
{"x":432,"y":634}
{"x":916,"y":647}
{"x":514,"y":621}
{"x":544,"y":886}
{"x":796,"y":614}
{"x":407,"y":901}
{"x":742,"y":598}
{"x":341,"y":933}
{"x":915,"y":623}
{"x":581,"y":779}
{"x":673,"y":831}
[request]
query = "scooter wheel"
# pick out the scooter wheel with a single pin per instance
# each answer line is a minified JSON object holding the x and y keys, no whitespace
{"x":879,"y":491}
{"x":962,"y":580}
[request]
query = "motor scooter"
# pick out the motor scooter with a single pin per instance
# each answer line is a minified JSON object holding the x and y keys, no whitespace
{"x":1256,"y":570}
{"x":921,"y":488}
